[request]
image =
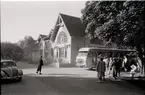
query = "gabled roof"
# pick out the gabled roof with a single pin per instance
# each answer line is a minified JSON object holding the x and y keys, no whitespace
{"x":41,"y":36}
{"x":73,"y":25}
{"x":48,"y":37}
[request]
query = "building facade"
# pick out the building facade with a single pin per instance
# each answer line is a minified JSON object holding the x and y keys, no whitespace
{"x":67,"y":38}
{"x":44,"y":49}
{"x":64,"y":41}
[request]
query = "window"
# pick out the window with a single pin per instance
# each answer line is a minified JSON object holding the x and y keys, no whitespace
{"x":83,"y":53}
{"x":8,"y":64}
{"x":46,"y":54}
{"x":57,"y":54}
{"x":90,"y":54}
{"x":61,"y":52}
{"x":65,"y":52}
{"x":62,"y":38}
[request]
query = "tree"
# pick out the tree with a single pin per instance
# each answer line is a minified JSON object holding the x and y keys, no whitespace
{"x":11,"y":51}
{"x":100,"y":16}
{"x":27,"y":44}
{"x":132,"y":24}
{"x":119,"y":22}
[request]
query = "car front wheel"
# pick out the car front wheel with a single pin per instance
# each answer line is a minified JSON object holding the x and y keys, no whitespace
{"x":20,"y":78}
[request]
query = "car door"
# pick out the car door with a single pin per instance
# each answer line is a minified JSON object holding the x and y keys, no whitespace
{"x":14,"y":71}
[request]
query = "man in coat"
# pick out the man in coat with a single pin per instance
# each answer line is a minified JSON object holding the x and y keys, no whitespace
{"x":40,"y":66}
{"x":101,"y":68}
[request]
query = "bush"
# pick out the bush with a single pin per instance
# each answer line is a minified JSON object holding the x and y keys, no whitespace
{"x":11,"y":51}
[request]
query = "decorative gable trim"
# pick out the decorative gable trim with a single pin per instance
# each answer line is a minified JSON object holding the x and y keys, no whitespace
{"x":64,"y":25}
{"x":59,"y":23}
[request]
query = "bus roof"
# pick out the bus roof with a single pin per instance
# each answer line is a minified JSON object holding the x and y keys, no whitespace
{"x":105,"y":49}
{"x":84,"y":49}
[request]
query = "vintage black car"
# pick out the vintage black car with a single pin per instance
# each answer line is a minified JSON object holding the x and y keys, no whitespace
{"x":9,"y":70}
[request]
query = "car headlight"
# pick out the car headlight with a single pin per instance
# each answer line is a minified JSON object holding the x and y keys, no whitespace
{"x":20,"y":72}
{"x":3,"y":74}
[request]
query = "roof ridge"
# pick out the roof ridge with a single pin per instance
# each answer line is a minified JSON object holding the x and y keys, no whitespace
{"x":43,"y":34}
{"x":69,"y":15}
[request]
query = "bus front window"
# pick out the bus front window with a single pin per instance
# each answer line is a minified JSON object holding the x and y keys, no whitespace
{"x":82,"y":54}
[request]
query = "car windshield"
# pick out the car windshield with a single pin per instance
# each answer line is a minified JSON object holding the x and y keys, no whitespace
{"x":82,"y":53}
{"x":8,"y":64}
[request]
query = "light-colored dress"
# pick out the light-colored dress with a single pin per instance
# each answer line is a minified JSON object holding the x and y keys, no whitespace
{"x":133,"y":69}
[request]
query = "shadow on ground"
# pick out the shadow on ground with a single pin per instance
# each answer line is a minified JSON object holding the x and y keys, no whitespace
{"x":64,"y":85}
{"x":87,"y":85}
{"x":139,"y":82}
{"x":4,"y":81}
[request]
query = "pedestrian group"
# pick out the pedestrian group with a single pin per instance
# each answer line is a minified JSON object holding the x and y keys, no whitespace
{"x":114,"y":65}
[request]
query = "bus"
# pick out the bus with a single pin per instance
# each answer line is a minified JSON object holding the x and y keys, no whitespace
{"x":88,"y":56}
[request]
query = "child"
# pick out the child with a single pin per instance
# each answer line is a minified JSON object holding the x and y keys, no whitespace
{"x":133,"y":70}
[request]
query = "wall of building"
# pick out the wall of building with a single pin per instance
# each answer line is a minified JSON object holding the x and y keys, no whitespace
{"x":62,"y":34}
{"x":77,"y":43}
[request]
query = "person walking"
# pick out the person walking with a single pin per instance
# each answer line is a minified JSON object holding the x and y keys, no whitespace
{"x":109,"y":66}
{"x":119,"y":65}
{"x":101,"y":68}
{"x":114,"y":68}
{"x":40,"y":66}
{"x":124,"y":63}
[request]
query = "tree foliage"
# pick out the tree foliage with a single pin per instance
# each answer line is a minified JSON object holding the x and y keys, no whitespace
{"x":11,"y":51}
{"x":27,"y":44}
{"x":99,"y":18}
{"x":119,"y":22}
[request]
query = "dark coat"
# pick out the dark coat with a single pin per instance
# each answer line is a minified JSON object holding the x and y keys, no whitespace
{"x":41,"y":62}
{"x":100,"y":67}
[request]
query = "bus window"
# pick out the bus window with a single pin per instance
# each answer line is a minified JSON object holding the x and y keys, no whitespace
{"x":105,"y":54}
{"x":95,"y":53}
{"x":99,"y":53}
{"x":110,"y":54}
{"x":90,"y":54}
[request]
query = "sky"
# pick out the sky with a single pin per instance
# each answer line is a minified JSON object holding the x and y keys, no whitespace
{"x":31,"y":18}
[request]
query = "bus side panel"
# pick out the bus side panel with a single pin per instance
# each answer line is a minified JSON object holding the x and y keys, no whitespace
{"x":90,"y":63}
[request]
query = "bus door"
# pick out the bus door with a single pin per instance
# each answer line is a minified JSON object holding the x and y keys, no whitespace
{"x":90,"y":60}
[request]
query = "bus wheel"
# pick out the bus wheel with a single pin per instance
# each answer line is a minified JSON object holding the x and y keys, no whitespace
{"x":81,"y":66}
{"x":91,"y":68}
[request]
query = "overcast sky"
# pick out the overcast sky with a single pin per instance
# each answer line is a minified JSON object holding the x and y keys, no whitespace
{"x":31,"y":18}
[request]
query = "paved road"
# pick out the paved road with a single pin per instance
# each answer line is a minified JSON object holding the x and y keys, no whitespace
{"x":66,"y":81}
